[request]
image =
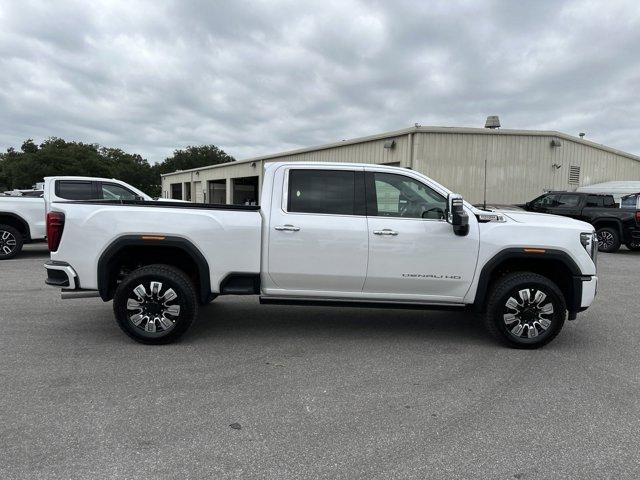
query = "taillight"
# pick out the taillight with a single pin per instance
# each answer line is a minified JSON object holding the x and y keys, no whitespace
{"x":55,"y":226}
{"x":638,"y":217}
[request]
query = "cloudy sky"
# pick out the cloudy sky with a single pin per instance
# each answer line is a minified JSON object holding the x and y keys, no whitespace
{"x":265,"y":76}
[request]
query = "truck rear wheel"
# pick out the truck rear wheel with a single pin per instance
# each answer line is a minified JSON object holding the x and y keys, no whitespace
{"x":634,"y":245}
{"x":525,"y":310}
{"x":155,"y":304}
{"x":608,"y":239}
{"x":11,"y":242}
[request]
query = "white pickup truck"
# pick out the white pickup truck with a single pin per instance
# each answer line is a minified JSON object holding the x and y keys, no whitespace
{"x":330,"y":234}
{"x":22,"y":218}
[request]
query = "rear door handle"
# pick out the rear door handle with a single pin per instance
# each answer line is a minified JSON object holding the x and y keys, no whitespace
{"x":287,"y":228}
{"x":386,"y":231}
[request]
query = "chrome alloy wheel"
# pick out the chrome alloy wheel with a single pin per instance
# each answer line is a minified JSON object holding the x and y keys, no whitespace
{"x":528,"y":315}
{"x":7,"y":242}
{"x":605,"y":239}
{"x":152,"y":310}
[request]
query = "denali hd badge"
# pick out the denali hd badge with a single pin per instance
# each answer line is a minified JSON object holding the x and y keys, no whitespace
{"x":429,"y":275}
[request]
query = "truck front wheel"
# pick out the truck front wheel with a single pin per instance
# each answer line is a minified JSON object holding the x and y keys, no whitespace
{"x":10,"y":242}
{"x":155,"y":304}
{"x":608,"y":239}
{"x":525,"y":310}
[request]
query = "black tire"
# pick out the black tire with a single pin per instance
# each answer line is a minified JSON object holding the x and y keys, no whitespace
{"x":608,"y":239}
{"x":545,"y":326}
{"x":634,"y":246}
{"x":144,"y":316}
{"x":11,"y":242}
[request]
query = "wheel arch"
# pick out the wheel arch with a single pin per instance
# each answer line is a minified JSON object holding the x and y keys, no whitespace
{"x":17,"y":222}
{"x":608,"y":222}
{"x":556,"y":265}
{"x":134,"y":251}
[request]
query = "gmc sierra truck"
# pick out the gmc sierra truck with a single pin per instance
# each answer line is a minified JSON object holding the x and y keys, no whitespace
{"x":22,"y":218}
{"x":326,"y":234}
{"x":614,"y":226}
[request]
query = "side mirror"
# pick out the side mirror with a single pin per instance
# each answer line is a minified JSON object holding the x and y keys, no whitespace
{"x":456,"y":215}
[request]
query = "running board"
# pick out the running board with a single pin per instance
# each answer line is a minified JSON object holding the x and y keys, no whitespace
{"x":71,"y":294}
{"x":335,"y":302}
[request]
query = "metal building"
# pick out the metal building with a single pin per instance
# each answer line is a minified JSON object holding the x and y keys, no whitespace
{"x":517,"y":165}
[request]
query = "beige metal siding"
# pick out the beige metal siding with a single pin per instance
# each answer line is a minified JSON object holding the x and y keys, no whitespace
{"x":519,"y":167}
{"x":367,"y":152}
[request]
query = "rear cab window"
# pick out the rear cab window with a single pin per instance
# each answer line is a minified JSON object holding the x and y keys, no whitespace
{"x":329,"y":192}
{"x":75,"y":190}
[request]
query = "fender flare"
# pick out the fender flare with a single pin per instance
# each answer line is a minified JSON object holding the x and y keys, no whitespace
{"x":104,"y":267}
{"x":573,"y":304}
{"x":617,"y":221}
{"x":20,"y":220}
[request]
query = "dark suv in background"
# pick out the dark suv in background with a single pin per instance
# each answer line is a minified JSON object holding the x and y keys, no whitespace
{"x":614,"y":225}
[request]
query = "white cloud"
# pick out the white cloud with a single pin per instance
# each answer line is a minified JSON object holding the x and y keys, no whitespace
{"x":264,"y":76}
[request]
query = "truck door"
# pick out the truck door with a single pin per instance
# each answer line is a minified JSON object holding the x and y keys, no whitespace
{"x":317,"y":233}
{"x":413,"y":252}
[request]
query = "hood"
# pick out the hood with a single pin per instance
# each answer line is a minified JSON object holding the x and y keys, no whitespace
{"x":547,"y":220}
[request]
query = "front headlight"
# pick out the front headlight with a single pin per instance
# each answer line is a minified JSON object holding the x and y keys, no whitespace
{"x":590,"y":243}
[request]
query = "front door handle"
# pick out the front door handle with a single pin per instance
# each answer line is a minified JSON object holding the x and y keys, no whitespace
{"x":386,"y":231}
{"x":287,"y":228}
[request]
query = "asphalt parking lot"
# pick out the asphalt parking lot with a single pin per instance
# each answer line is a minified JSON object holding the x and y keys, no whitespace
{"x":307,"y":392}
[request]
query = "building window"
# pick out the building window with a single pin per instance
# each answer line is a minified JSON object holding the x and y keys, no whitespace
{"x":322,"y":191}
{"x":176,"y":191}
{"x":187,"y":191}
{"x":217,"y":191}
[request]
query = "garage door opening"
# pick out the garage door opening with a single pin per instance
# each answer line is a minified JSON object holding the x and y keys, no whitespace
{"x":245,"y":191}
{"x":176,"y":191}
{"x":217,"y":191}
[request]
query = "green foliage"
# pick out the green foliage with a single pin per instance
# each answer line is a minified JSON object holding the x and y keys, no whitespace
{"x":55,"y":156}
{"x":194,"y":157}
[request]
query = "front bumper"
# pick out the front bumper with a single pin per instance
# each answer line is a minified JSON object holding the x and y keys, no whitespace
{"x":589,"y":290}
{"x":61,"y":274}
{"x":584,"y":291}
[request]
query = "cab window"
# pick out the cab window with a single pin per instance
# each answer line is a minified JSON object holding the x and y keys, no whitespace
{"x":568,"y":201}
{"x":630,"y":201}
{"x":111,"y":191}
{"x":546,"y":201}
{"x":322,"y":191}
{"x":75,"y":190}
{"x":393,"y":195}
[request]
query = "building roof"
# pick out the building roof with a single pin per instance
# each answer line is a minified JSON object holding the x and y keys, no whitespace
{"x":421,"y":129}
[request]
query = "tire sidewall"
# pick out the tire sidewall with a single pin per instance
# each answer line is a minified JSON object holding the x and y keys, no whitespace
{"x":633,"y":246}
{"x":145,"y":275}
{"x":510,"y":287}
{"x":19,"y":241}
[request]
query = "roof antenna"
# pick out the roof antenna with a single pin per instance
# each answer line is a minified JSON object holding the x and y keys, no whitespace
{"x":484,"y":202}
{"x":493,"y":123}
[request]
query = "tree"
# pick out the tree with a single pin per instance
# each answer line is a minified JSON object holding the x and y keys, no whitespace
{"x":55,"y":156}
{"x":194,"y":157}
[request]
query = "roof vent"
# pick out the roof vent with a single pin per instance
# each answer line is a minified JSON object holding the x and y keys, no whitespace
{"x":493,"y":121}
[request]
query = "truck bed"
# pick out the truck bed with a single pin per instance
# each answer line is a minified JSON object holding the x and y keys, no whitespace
{"x":227,"y":236}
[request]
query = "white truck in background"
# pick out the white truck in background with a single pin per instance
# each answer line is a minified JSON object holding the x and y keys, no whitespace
{"x":328,"y":234}
{"x":22,"y":218}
